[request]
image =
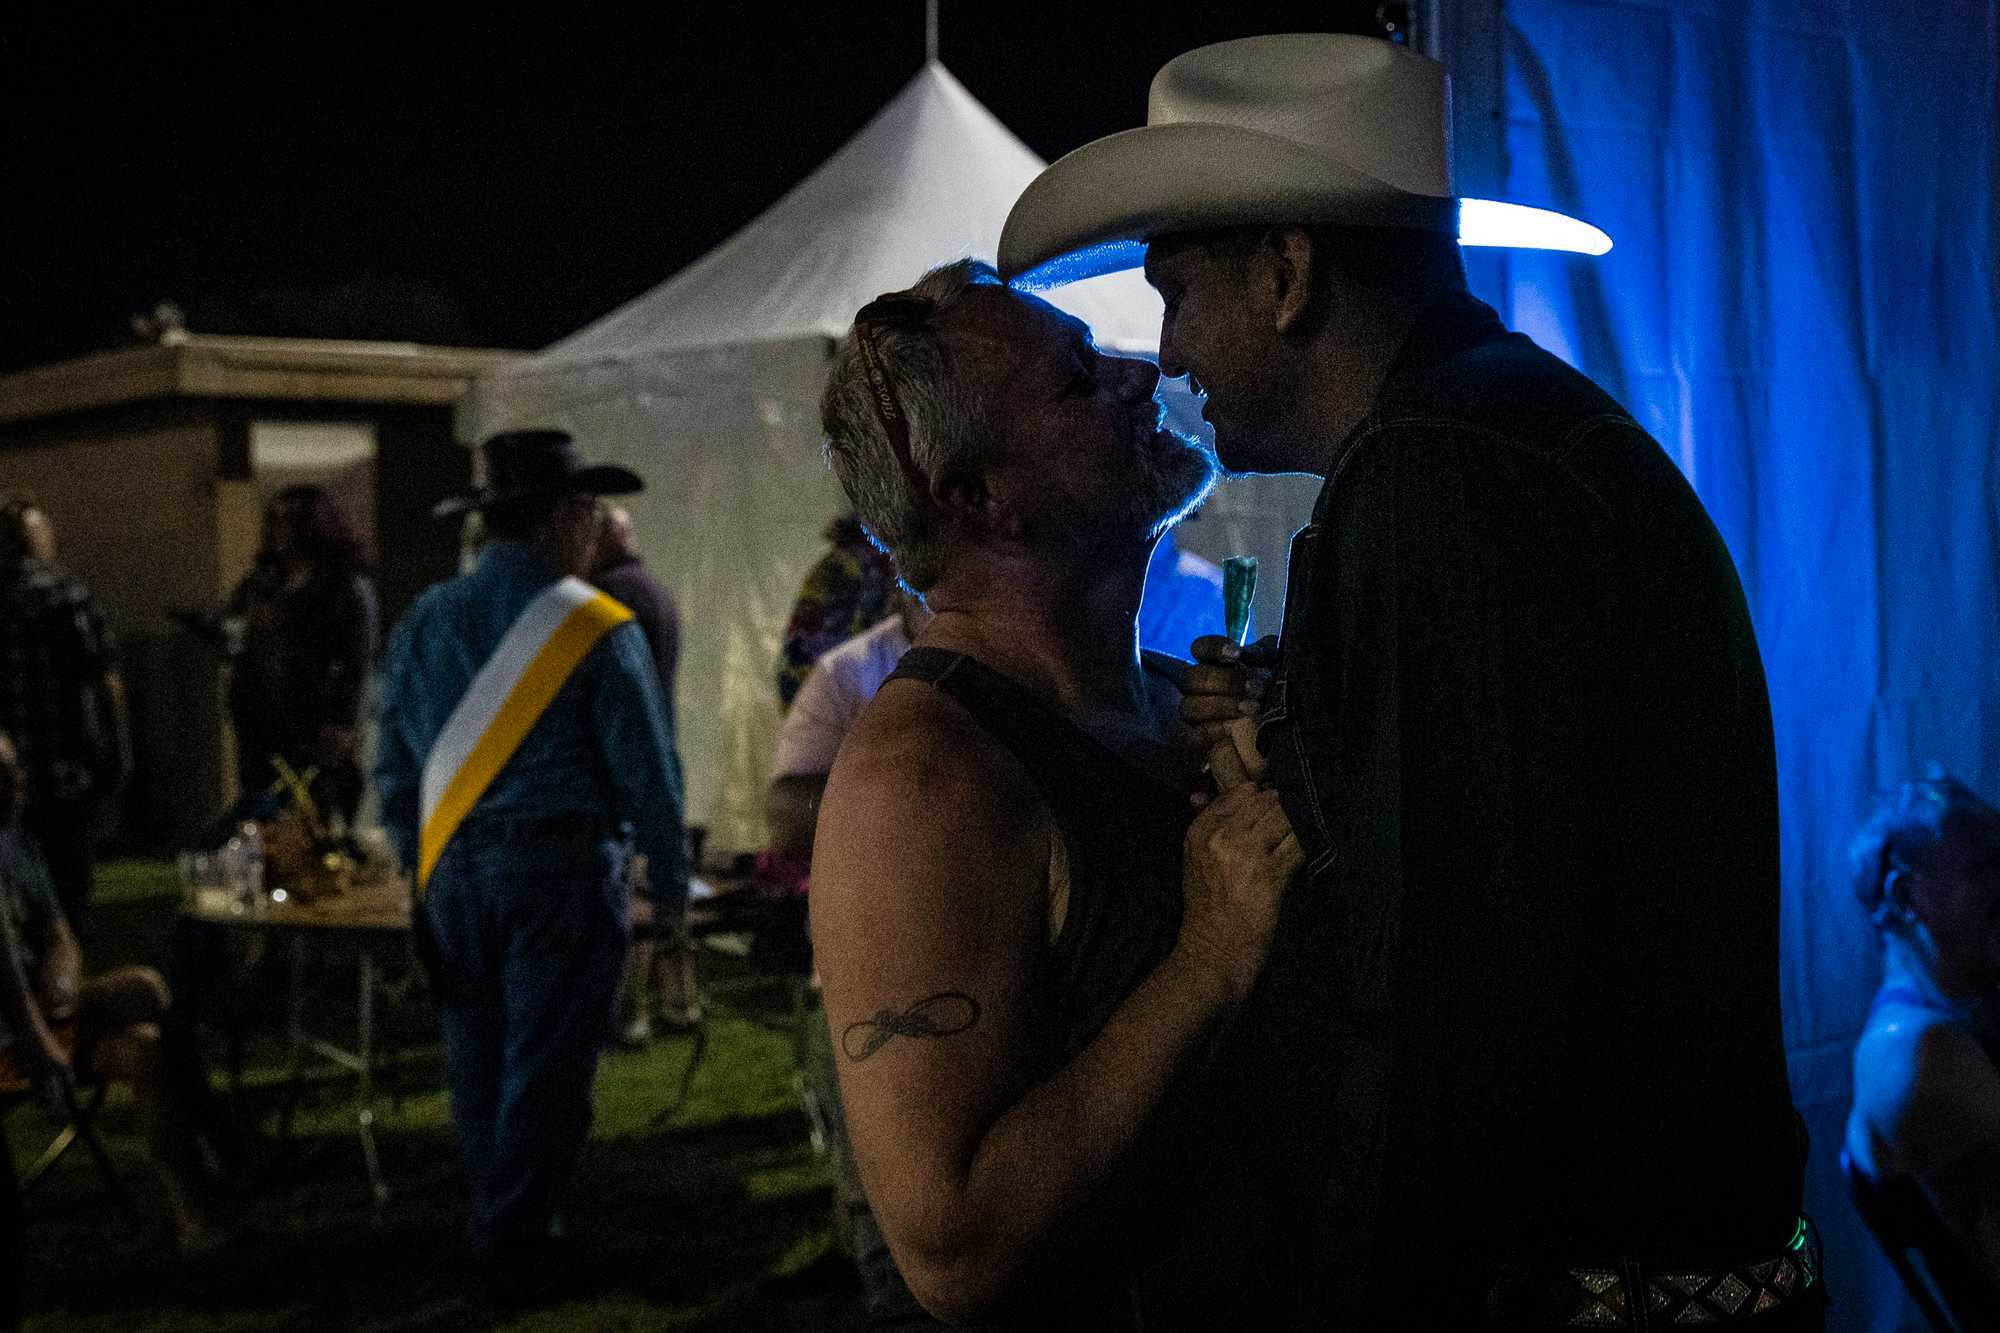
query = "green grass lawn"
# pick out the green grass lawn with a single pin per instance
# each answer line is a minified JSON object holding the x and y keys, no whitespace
{"x":684,"y":1221}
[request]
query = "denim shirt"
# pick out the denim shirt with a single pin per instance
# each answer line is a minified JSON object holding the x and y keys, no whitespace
{"x":602,"y":752}
{"x":1525,"y":1004}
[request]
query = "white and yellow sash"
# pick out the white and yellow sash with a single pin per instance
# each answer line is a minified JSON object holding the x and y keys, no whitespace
{"x":534,"y":658}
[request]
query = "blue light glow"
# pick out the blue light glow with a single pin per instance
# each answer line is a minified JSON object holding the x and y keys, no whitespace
{"x":1485,"y":222}
{"x":1518,"y":227}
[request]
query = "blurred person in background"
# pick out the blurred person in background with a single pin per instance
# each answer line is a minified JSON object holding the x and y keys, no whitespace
{"x":516,"y":809}
{"x":665,"y":954}
{"x":1926,"y":1091}
{"x":309,"y":638}
{"x":619,"y":569}
{"x":839,"y":685}
{"x":61,"y":699}
{"x":55,"y":1025}
{"x":300,"y":631}
{"x":849,"y":588}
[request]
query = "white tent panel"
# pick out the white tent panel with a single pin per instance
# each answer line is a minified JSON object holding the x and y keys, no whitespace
{"x":929,"y":179}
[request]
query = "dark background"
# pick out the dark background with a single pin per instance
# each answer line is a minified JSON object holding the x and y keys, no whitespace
{"x":334,"y":172}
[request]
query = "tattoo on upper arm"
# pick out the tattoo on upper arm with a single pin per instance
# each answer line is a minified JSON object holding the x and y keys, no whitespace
{"x":943,"y":1015}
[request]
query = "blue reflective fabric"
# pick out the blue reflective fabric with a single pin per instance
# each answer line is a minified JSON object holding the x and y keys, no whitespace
{"x":1183,"y":599}
{"x":1801,"y":307}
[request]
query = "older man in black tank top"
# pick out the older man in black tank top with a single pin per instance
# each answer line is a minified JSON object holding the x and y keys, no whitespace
{"x":1031,"y":943}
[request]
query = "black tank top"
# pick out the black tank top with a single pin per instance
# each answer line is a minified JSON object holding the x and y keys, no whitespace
{"x":1174,"y":1240}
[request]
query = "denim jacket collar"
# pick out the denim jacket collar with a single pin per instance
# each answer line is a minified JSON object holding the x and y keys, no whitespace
{"x":1447,"y":325}
{"x":522,"y":561}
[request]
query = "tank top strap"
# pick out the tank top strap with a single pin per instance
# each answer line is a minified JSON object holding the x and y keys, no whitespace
{"x":1031,"y":728}
{"x":1054,"y":748}
{"x":929,"y":665}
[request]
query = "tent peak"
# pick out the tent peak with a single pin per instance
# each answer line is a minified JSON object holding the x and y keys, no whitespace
{"x":927,"y":180}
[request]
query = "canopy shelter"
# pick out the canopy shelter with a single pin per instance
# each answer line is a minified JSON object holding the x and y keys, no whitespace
{"x":708,"y":387}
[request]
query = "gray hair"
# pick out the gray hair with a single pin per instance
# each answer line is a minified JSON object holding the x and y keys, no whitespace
{"x":946,"y":414}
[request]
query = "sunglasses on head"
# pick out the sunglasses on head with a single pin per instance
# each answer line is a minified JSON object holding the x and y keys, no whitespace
{"x":898,"y":311}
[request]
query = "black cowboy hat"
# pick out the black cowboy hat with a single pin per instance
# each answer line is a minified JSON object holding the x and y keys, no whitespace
{"x":524,"y":463}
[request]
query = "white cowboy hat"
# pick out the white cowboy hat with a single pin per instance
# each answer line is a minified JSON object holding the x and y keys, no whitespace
{"x":1303,"y":127}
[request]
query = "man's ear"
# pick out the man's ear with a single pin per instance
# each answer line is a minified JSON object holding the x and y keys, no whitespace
{"x":1289,"y":252}
{"x":1896,"y":892}
{"x":978,"y":497}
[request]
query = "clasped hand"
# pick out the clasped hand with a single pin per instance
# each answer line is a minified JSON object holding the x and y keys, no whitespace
{"x":1220,"y":698}
{"x":1241,"y":851}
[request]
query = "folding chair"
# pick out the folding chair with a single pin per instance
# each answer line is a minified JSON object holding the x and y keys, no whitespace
{"x":1937,"y":1272}
{"x":80,"y":1108}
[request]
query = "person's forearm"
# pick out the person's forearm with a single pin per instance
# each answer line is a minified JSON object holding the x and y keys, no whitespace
{"x":398,"y":811}
{"x":659,"y":812}
{"x":659,"y":832}
{"x":62,"y":975}
{"x":1047,"y":1154}
{"x":639,"y":753}
{"x":791,"y":807}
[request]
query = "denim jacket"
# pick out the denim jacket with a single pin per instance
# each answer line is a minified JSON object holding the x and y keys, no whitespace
{"x":601,"y":756}
{"x":1524,"y":1008}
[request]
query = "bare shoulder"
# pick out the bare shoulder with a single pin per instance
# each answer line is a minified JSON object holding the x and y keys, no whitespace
{"x":1890,"y":1051}
{"x":918,"y":779}
{"x":931,"y":862}
{"x":1920,"y":1077}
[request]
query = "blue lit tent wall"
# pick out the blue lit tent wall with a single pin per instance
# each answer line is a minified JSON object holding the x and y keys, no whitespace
{"x":1801,"y":308}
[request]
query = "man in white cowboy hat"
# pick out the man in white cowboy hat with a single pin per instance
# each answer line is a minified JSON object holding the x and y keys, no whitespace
{"x":523,"y":743}
{"x":1521,"y":1046}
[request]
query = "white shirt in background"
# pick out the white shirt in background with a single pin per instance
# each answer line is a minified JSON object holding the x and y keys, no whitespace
{"x":841,"y":684}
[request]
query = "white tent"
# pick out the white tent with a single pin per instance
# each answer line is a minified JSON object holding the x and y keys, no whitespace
{"x":708,"y":387}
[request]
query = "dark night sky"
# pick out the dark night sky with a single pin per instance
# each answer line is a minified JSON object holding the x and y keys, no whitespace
{"x":336,"y":172}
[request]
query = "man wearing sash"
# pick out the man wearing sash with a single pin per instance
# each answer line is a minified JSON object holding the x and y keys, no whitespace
{"x":525,"y":751}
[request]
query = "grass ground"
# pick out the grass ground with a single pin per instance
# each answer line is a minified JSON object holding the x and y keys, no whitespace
{"x":685,"y":1221}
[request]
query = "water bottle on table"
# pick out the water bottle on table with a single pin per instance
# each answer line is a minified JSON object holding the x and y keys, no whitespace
{"x":244,"y":859}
